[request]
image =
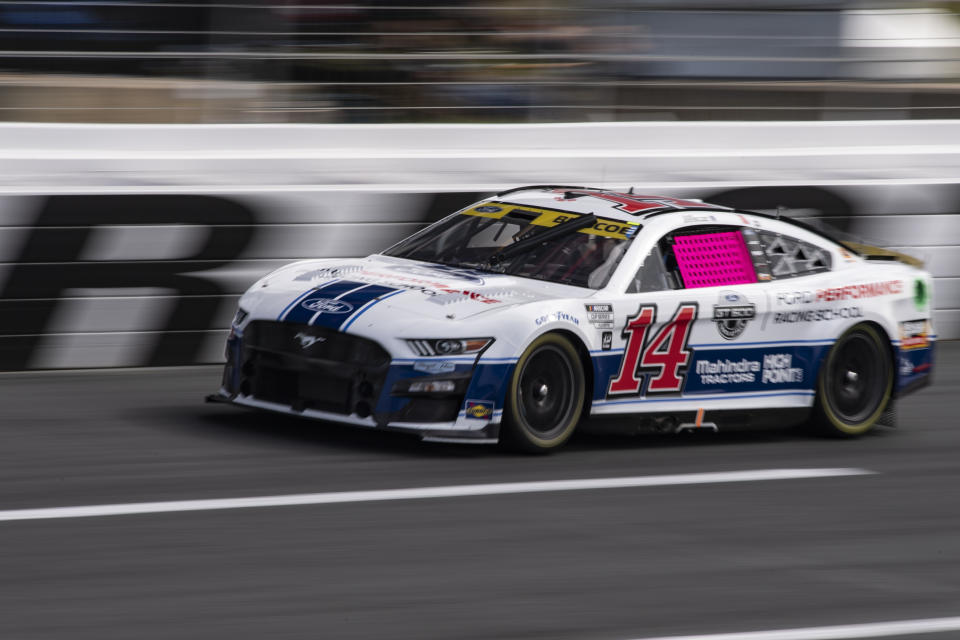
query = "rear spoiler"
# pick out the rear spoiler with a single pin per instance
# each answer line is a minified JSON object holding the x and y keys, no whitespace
{"x":870,"y":252}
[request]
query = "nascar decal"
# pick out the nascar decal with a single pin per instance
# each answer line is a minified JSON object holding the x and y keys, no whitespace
{"x":600,"y":315}
{"x":331,"y":305}
{"x":664,"y":356}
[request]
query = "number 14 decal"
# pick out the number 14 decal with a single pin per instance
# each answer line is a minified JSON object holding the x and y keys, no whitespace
{"x":665,"y":355}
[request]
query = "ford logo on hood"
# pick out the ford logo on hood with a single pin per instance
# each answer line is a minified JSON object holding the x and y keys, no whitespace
{"x":327,"y":305}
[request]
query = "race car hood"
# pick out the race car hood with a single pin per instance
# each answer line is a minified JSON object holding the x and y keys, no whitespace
{"x":335,"y":293}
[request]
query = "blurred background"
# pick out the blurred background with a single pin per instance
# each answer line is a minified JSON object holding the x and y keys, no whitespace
{"x":157,"y":157}
{"x":256,"y":61}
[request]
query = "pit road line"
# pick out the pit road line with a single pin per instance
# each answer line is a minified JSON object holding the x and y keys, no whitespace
{"x":839,"y":632}
{"x":341,"y":497}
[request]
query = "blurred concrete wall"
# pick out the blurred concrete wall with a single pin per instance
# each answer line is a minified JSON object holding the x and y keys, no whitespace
{"x":129,"y":245}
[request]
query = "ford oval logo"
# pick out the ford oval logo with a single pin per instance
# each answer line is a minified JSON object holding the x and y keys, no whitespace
{"x":327,"y":305}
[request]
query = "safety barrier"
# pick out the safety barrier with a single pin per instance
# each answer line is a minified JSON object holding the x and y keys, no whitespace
{"x":129,"y":246}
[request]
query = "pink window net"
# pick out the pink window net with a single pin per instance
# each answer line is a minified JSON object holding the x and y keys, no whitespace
{"x":712,"y":259}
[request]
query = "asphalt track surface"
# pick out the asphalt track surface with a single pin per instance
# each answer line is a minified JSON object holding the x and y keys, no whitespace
{"x":609,"y":564}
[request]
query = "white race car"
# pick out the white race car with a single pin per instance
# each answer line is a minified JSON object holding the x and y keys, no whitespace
{"x":518,"y":317}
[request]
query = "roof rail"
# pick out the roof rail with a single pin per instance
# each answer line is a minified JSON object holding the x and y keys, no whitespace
{"x":539,"y":186}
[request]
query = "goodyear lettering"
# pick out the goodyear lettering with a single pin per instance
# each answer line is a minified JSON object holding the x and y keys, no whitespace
{"x":559,"y":316}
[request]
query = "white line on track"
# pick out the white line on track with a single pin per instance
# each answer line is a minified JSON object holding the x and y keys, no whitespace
{"x":840,"y":632}
{"x":424,"y":492}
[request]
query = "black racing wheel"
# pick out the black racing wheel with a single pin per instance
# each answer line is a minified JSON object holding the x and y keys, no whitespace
{"x":546,"y":396}
{"x":855,"y":384}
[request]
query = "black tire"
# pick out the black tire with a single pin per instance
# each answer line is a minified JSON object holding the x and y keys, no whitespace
{"x":855,"y":384}
{"x":545,"y":397}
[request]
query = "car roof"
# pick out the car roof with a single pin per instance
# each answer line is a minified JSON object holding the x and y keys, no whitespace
{"x":607,"y":203}
{"x":629,"y":206}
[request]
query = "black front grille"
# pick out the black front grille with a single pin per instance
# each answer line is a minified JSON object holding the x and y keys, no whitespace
{"x":318,"y":343}
{"x":311,"y":367}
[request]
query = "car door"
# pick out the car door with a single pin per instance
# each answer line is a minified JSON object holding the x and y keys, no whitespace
{"x":691,"y":318}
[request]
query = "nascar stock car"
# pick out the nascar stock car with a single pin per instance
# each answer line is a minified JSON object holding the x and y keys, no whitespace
{"x":516,"y":318}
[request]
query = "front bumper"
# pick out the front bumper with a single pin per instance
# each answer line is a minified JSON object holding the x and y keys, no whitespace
{"x":428,"y":432}
{"x":323,"y":374}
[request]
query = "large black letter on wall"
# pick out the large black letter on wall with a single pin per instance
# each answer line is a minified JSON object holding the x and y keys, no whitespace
{"x":51,"y":262}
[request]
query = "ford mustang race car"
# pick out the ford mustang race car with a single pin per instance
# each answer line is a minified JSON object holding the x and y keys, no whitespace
{"x":518,"y":317}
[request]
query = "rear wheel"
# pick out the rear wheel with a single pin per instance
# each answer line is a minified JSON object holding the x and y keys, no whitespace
{"x":546,"y":396}
{"x":855,"y":384}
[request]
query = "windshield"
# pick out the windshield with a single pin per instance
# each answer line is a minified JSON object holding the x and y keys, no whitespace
{"x":583,"y":256}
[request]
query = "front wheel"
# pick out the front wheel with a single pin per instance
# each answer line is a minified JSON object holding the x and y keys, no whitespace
{"x":855,"y":384}
{"x":546,"y":396}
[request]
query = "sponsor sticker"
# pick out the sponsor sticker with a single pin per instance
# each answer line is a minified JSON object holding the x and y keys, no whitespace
{"x":858,"y":291}
{"x":434,"y":367}
{"x":479,"y":409}
{"x":817,"y":315}
{"x":773,"y":368}
{"x":328,"y":272}
{"x":488,"y":208}
{"x":692,"y":218}
{"x":600,"y":315}
{"x":839,"y":294}
{"x":327,"y":305}
{"x":606,"y":340}
{"x":914,"y":334}
{"x":906,"y":367}
{"x":790,"y":298}
{"x":732,"y":314}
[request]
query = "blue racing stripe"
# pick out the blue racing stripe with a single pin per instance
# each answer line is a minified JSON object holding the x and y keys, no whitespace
{"x":334,"y":315}
{"x":366,"y":307}
{"x":300,"y":297}
{"x":324,"y":299}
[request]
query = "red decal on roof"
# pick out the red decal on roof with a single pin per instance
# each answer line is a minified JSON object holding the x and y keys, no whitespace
{"x":637,"y":204}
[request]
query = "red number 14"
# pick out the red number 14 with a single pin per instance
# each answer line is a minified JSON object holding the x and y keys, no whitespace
{"x":665,"y":354}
